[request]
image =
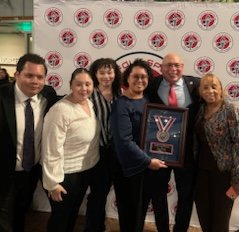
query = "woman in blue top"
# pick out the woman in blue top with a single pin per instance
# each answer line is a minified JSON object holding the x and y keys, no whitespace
{"x":126,"y":118}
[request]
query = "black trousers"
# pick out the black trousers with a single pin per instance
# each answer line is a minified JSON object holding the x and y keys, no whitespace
{"x":96,"y":201}
{"x":64,"y":214}
{"x":15,"y":202}
{"x":156,"y":189}
{"x":213,"y":206}
{"x":128,"y":191}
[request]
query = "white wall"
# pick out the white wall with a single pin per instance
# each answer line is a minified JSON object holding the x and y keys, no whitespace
{"x":16,"y":8}
{"x":12,"y":46}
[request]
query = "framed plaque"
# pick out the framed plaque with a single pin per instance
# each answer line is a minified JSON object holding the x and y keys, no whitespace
{"x":164,"y":132}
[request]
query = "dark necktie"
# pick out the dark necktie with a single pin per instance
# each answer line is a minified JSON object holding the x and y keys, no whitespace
{"x":28,"y":140}
{"x":172,"y":98}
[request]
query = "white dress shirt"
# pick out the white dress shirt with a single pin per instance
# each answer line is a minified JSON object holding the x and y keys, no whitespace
{"x":38,"y":104}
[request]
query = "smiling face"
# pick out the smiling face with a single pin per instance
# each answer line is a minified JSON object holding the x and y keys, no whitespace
{"x":81,"y":87}
{"x":137,"y":80}
{"x":105,"y":76}
{"x":210,"y":89}
{"x":31,"y":78}
{"x":172,"y":68}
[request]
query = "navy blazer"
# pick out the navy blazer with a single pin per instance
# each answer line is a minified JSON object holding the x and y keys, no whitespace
{"x":192,"y":85}
{"x":8,"y":128}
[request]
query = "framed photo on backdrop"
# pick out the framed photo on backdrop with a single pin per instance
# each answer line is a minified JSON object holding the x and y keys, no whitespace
{"x":163,"y":133}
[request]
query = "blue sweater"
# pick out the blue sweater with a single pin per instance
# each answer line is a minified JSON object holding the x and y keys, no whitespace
{"x":126,"y":119}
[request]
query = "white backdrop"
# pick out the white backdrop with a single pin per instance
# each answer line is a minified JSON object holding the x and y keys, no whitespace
{"x":72,"y":34}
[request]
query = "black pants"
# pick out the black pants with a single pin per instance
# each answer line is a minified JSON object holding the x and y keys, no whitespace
{"x":64,"y":214}
{"x":15,"y":202}
{"x":96,"y":201}
{"x":156,"y":189}
{"x":213,"y":206}
{"x":128,"y":191}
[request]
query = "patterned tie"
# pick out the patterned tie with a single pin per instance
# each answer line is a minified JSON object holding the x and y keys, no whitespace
{"x":28,"y":140}
{"x":172,"y":98}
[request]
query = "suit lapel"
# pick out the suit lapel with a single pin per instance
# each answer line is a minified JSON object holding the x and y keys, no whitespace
{"x":9,"y":109}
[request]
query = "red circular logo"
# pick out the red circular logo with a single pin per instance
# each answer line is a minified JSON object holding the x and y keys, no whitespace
{"x":98,"y":39}
{"x":232,"y":90}
{"x":82,"y":60}
{"x":191,"y":41}
{"x":207,"y":20}
{"x":126,"y":39}
{"x":83,"y":17}
{"x":54,"y":80}
{"x":175,"y":19}
{"x":53,"y":16}
{"x":235,"y":21}
{"x":158,"y":41}
{"x":143,"y":19}
{"x":222,"y":42}
{"x":233,"y":67}
{"x":53,"y":59}
{"x":68,"y":37}
{"x":204,"y":65}
{"x":112,"y":18}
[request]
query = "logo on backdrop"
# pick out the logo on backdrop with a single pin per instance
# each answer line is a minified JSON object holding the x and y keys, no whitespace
{"x":112,"y":18}
{"x":54,"y":80}
{"x":207,"y":20}
{"x":82,"y":60}
{"x":235,"y":21}
{"x":143,"y":19}
{"x":233,"y":67}
{"x":222,"y":42}
{"x":53,"y":16}
{"x":232,"y":90}
{"x":98,"y":39}
{"x":158,"y":40}
{"x":53,"y":59}
{"x":191,"y":41}
{"x":126,"y":39}
{"x":204,"y":65}
{"x":83,"y":17}
{"x":154,"y":60}
{"x":175,"y":20}
{"x":68,"y":37}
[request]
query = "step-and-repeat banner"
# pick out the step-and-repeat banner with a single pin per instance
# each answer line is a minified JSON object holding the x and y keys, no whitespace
{"x":71,"y":34}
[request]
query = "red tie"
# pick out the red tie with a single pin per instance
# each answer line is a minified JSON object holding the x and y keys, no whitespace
{"x":172,"y":98}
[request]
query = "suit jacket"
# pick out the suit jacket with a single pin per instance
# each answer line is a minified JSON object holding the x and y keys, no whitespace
{"x":192,"y":85}
{"x":8,"y":128}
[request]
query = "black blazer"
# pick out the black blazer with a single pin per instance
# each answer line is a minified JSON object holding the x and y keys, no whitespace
{"x":192,"y":85}
{"x":8,"y":129}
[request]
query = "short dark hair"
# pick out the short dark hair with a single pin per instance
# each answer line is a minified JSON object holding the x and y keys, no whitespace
{"x":137,"y":63}
{"x":32,"y":58}
{"x":77,"y":71}
{"x":107,"y":63}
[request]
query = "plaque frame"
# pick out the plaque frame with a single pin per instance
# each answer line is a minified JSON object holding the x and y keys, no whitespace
{"x":163,"y":133}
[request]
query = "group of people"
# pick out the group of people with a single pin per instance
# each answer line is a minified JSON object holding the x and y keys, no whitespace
{"x":91,"y":138}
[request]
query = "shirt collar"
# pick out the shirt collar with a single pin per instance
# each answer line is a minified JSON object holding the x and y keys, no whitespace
{"x":178,"y":83}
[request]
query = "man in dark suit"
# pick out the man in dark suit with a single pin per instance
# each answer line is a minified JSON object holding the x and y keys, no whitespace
{"x":18,"y":183}
{"x":156,"y":184}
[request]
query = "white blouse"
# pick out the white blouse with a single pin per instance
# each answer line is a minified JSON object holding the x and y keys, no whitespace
{"x":70,"y":141}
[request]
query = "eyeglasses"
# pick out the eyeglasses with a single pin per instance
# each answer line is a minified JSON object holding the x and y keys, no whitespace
{"x":140,"y":77}
{"x":171,"y":65}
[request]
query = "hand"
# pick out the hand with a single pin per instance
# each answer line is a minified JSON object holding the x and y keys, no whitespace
{"x":156,"y":164}
{"x":231,"y":193}
{"x":56,"y":193}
